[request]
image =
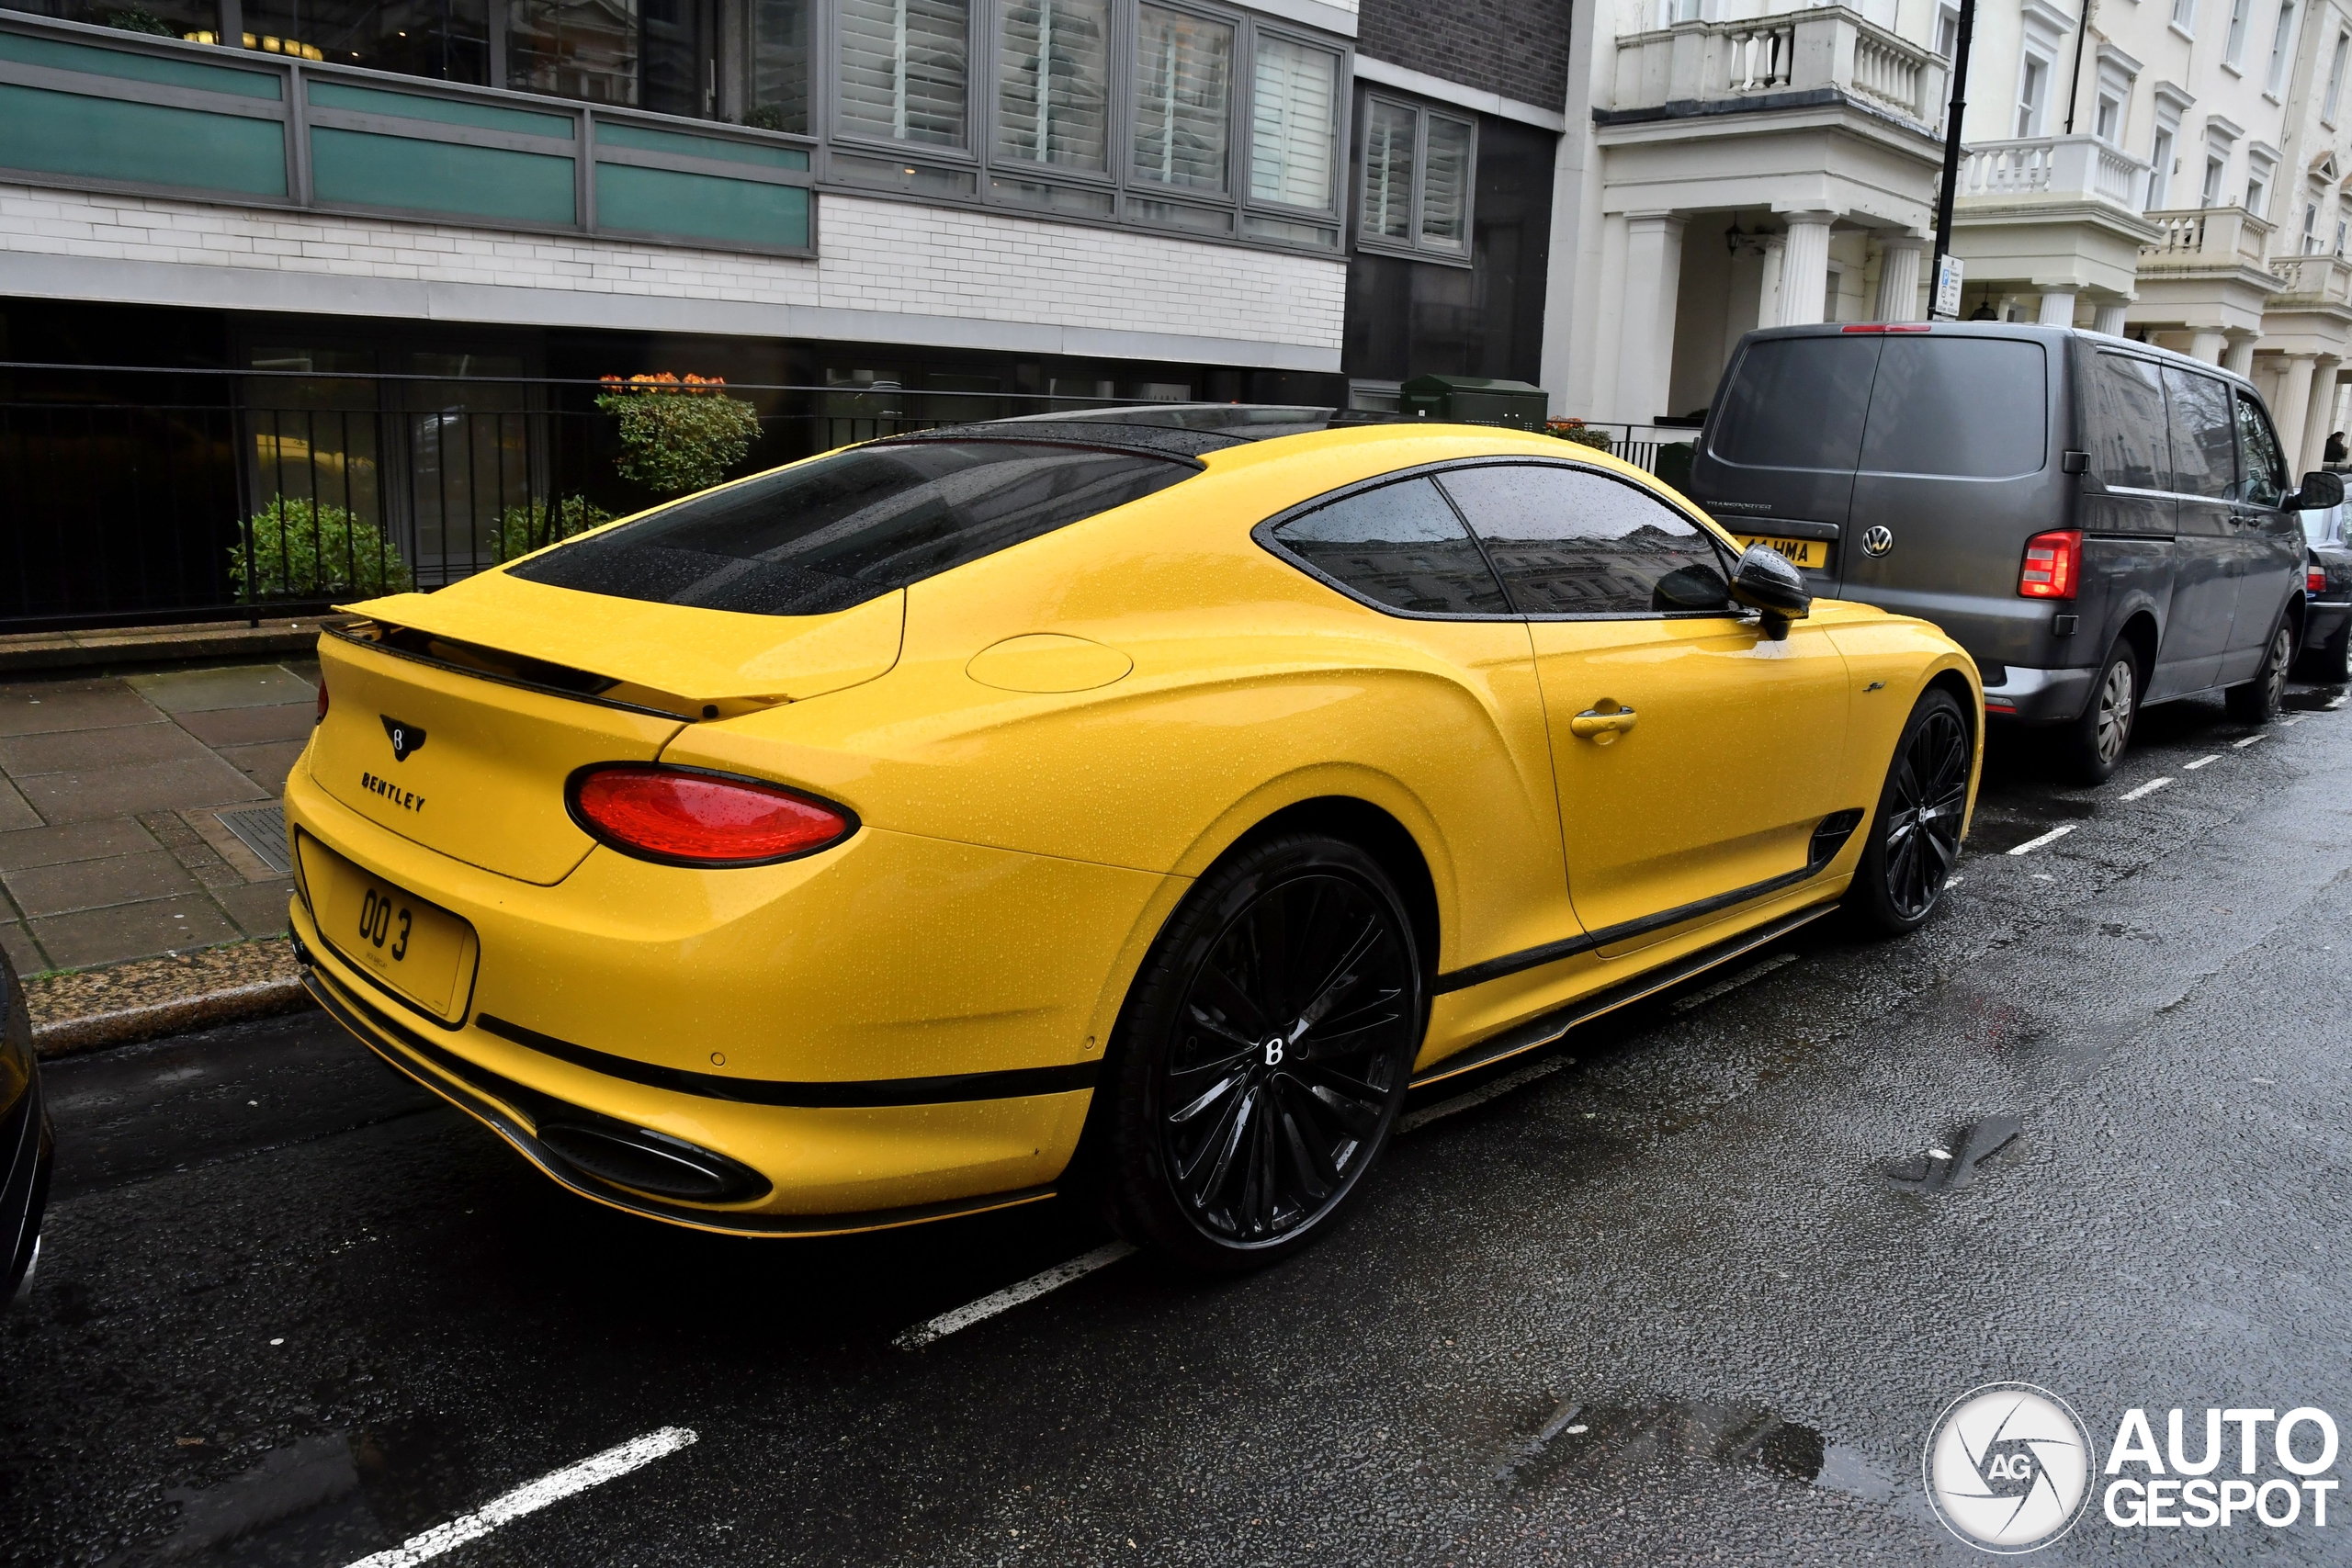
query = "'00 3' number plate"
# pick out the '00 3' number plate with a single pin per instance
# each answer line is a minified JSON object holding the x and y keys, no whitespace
{"x":1802,"y":552}
{"x":419,"y":949}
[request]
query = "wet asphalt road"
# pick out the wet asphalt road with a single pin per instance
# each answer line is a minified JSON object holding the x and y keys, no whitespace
{"x":1693,"y":1296}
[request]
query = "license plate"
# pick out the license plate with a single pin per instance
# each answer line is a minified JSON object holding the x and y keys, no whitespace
{"x":418,"y":949}
{"x":1800,"y":552}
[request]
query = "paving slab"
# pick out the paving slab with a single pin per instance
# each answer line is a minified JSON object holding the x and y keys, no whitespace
{"x":247,"y":727}
{"x":258,"y":907}
{"x":240,"y":686}
{"x":267,"y":764}
{"x":75,"y":840}
{"x":38,"y":707}
{"x":17,"y":943}
{"x":14,"y":814}
{"x":63,"y":750}
{"x":150,"y":786}
{"x":132,"y":930}
{"x":94,"y":885}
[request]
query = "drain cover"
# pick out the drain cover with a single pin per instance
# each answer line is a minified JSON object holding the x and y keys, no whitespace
{"x":261,"y":828}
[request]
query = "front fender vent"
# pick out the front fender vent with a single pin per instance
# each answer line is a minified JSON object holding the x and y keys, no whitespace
{"x":1830,"y":837}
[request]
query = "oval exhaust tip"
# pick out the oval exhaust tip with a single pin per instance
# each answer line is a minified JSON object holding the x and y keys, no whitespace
{"x":652,"y":1163}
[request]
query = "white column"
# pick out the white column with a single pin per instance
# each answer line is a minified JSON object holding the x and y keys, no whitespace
{"x":1898,"y":279}
{"x":2315,"y":426}
{"x":2239,"y":359}
{"x":2207,"y":346}
{"x":2057,"y":308}
{"x":1652,"y":278}
{"x":2294,"y":404}
{"x":1767,"y":292}
{"x":2109,"y":318}
{"x":1805,"y":268}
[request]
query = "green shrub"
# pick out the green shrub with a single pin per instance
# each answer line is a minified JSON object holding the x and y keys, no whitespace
{"x":678,"y":436}
{"x":522,"y":529}
{"x":1576,"y":430}
{"x":315,"y":549}
{"x":139,"y":20}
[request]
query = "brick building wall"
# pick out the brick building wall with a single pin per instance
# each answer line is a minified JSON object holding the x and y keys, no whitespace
{"x":1516,"y":48}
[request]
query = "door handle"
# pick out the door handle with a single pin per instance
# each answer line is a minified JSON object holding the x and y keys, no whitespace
{"x":1600,"y":728}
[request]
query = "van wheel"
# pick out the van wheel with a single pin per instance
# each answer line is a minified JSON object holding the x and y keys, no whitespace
{"x":1261,"y":1056}
{"x":1914,"y":833}
{"x":2259,"y":700}
{"x":2089,"y":748}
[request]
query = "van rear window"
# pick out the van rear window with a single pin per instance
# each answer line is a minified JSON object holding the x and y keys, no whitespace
{"x":826,"y":535}
{"x":1796,"y":403}
{"x":1962,"y":407}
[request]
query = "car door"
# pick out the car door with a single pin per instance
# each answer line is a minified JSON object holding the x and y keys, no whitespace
{"x":2206,"y":566}
{"x":2267,"y":543}
{"x":1694,"y":756}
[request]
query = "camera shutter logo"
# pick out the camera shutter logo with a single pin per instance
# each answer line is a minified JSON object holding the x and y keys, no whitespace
{"x":1877,"y":539}
{"x":2008,"y":1467}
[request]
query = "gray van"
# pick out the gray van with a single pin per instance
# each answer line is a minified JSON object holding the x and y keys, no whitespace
{"x":2102,"y":524}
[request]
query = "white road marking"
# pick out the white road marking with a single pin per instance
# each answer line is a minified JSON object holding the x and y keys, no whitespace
{"x":2290,"y":723}
{"x":2201,"y":761}
{"x":2242,"y":745}
{"x":1952,"y":880}
{"x":1501,"y":1085}
{"x":2052,"y":836}
{"x":1028,"y":1289}
{"x":1753,"y":972}
{"x":553,"y":1487}
{"x":2338,"y":701}
{"x":2149,"y":788}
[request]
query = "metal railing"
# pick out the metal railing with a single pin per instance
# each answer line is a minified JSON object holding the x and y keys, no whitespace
{"x":1822,"y":47}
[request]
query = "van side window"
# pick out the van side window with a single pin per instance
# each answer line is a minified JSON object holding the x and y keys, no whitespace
{"x":2265,"y":471}
{"x":2125,"y":403}
{"x":1399,"y":546}
{"x":1968,"y":408}
{"x":1571,"y":541}
{"x":1795,"y":402}
{"x":2204,"y":434}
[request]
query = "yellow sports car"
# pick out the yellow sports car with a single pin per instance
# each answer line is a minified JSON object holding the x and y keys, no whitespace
{"x":1147,"y":800}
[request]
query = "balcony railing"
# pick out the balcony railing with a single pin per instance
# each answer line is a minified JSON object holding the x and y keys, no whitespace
{"x":2313,"y":280}
{"x":2056,"y":168}
{"x":100,"y":108}
{"x":2206,"y":236}
{"x":1801,"y":51}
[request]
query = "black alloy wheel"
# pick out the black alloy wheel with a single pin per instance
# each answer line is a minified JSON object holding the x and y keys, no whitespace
{"x":1915,"y":835}
{"x":2259,"y":700}
{"x":1262,"y":1056}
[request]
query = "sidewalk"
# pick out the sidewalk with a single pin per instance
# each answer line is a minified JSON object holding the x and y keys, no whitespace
{"x":139,"y":821}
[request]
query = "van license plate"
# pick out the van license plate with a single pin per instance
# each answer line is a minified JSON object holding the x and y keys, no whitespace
{"x":1800,"y":552}
{"x":418,"y":949}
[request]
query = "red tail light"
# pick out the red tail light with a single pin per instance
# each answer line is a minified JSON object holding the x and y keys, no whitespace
{"x":2054,"y":564}
{"x":2314,"y":579}
{"x":322,"y":703}
{"x":685,"y":816}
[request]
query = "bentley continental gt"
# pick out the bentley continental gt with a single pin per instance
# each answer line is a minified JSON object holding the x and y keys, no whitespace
{"x":1140,"y":802}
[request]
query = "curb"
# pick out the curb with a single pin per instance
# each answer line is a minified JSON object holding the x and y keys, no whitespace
{"x":148,"y":999}
{"x":33,"y":653}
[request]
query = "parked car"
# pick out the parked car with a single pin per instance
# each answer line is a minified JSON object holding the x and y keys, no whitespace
{"x":26,"y":1144}
{"x":2102,"y":524}
{"x":856,"y":843}
{"x":2327,"y":614}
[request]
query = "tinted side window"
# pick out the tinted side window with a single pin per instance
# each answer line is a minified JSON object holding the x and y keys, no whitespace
{"x":2204,"y":435}
{"x":2124,"y":400}
{"x":1400,"y":546}
{"x":1796,"y":403}
{"x":823,"y":535}
{"x":1572,"y":542}
{"x":1974,"y":408}
{"x":2265,"y":468}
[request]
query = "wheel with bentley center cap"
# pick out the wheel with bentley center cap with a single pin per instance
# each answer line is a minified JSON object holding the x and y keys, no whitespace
{"x":1914,"y":833}
{"x":1261,"y":1056}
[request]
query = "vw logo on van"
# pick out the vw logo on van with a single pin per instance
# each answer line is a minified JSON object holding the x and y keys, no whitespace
{"x":1878,"y":539}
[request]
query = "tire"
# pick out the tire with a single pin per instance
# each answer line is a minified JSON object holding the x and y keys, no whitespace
{"x":1914,"y":833}
{"x":2259,"y":700}
{"x":2088,"y":749}
{"x":1261,"y":1056}
{"x":2330,"y":664}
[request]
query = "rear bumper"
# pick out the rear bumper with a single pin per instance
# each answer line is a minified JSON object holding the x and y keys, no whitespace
{"x":2324,"y":620}
{"x":2039,"y":697}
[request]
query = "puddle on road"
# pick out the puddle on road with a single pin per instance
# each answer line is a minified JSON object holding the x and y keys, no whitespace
{"x":1587,"y":1440}
{"x":2312,"y":699}
{"x":1951,"y":1164}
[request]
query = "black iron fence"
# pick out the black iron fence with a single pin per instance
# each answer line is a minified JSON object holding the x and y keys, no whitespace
{"x":148,"y":495}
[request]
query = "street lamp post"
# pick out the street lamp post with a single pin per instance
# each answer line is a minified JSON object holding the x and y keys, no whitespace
{"x":1952,"y":118}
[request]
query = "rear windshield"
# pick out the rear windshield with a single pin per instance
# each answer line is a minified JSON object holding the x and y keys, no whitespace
{"x":1796,"y":403}
{"x":1970,"y":408}
{"x":823,"y":535}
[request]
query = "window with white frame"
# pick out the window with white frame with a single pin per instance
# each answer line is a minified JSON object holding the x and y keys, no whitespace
{"x":2033,"y":93}
{"x":1294,"y":102}
{"x":2311,"y":225}
{"x":2217,"y":169}
{"x":2160,"y":168}
{"x":1419,"y":170}
{"x":2111,"y":106}
{"x":2281,"y":40}
{"x":2257,"y":184}
{"x":2336,"y":78}
{"x":2233,"y":42}
{"x":1948,"y":30}
{"x":2184,"y":15}
{"x":2107,"y":124}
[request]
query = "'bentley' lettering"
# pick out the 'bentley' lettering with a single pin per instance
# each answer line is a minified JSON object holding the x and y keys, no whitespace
{"x":392,"y":792}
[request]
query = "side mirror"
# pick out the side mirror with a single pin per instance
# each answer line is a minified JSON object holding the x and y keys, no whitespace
{"x":1694,"y":587}
{"x":2320,"y":490}
{"x":1767,"y":582}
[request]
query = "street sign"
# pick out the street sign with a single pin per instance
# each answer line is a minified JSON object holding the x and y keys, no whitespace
{"x":1947,"y":305}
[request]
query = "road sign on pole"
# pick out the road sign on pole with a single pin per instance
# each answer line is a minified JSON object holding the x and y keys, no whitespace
{"x":1947,"y":305}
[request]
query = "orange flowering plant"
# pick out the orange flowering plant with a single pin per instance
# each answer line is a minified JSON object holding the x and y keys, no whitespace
{"x":678,"y":433}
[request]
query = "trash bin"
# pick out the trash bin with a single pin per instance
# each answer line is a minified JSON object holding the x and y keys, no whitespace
{"x":1473,"y":399}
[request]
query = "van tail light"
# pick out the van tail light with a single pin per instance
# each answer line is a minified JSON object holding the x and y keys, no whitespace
{"x":688,"y":817}
{"x":2314,"y":579}
{"x":2054,"y":565}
